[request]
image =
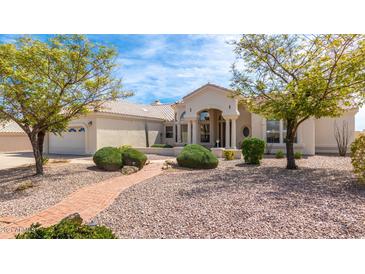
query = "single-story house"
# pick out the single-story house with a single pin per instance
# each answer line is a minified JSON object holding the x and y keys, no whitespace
{"x":206,"y":116}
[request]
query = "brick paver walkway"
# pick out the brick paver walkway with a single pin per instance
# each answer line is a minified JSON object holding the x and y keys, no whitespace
{"x":87,"y":201}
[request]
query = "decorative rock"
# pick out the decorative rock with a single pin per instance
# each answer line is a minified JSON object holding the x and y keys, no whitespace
{"x":75,"y":217}
{"x":165,"y":167}
{"x":170,"y":162}
{"x":147,"y":162}
{"x":126,"y":170}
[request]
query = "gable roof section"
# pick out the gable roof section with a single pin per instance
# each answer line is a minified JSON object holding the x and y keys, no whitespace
{"x":206,"y":85}
{"x":163,"y":111}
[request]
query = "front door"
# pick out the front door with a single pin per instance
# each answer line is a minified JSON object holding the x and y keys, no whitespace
{"x":184,"y":134}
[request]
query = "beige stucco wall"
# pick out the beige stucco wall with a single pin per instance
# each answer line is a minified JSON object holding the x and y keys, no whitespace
{"x":306,"y":136}
{"x":257,"y":124}
{"x":14,"y":142}
{"x":244,"y":120}
{"x":325,"y":141}
{"x":117,"y":131}
{"x":210,"y":98}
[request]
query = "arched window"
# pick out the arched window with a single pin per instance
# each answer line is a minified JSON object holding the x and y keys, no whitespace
{"x":182,"y":115}
{"x":204,"y":116}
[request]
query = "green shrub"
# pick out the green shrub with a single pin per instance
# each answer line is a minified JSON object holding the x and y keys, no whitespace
{"x":108,"y":158}
{"x":298,"y":155}
{"x":67,"y":229}
{"x":162,"y":145}
{"x":253,"y":149}
{"x":358,"y":157}
{"x":229,"y":155}
{"x":133,"y":157}
{"x":279,"y":154}
{"x":197,"y":156}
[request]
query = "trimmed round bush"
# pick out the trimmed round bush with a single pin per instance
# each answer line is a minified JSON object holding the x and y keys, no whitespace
{"x":108,"y":158}
{"x":253,"y":150}
{"x":133,"y":157}
{"x":358,"y":157}
{"x":197,"y":156}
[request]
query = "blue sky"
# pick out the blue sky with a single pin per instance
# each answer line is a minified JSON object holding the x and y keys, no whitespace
{"x":166,"y":67}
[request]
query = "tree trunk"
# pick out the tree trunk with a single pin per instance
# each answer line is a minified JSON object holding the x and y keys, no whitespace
{"x":41,"y":136}
{"x":290,"y":135}
{"x":37,"y":153}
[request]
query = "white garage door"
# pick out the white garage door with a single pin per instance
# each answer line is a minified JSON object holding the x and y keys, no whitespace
{"x":71,"y":142}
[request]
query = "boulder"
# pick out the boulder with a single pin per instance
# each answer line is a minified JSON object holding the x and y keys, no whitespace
{"x":75,"y":218}
{"x":126,"y":170}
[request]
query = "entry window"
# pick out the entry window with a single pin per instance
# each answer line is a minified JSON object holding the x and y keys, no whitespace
{"x":204,"y":133}
{"x":169,"y":132}
{"x":204,"y":116}
{"x":284,"y":133}
{"x":272,"y":131}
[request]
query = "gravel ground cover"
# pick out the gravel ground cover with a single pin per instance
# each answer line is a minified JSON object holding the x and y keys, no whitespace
{"x":59,"y":181}
{"x":320,"y":200}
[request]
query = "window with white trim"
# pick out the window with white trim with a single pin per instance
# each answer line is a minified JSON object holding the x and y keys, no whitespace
{"x":169,"y":132}
{"x":273,"y":131}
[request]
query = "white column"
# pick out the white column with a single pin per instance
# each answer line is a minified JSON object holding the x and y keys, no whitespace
{"x":174,"y":132}
{"x":233,"y":133}
{"x":194,"y":131}
{"x":222,"y":136}
{"x":227,"y":133}
{"x":189,"y":132}
{"x":212,"y":128}
{"x":178,"y":132}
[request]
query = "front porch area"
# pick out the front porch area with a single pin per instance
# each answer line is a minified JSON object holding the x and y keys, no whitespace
{"x":210,"y":128}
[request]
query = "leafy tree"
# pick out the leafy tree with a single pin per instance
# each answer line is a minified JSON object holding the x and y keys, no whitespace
{"x":44,"y":85}
{"x":295,"y":77}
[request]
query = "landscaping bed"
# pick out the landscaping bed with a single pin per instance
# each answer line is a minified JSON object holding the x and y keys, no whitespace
{"x":320,"y":200}
{"x":22,"y":193}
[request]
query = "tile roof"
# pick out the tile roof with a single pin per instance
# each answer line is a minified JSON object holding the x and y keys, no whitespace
{"x":157,"y":111}
{"x":10,"y":127}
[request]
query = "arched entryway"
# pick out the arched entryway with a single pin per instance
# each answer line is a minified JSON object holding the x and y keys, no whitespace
{"x":211,"y":128}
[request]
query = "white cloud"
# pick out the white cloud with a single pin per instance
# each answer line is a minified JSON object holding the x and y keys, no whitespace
{"x":168,"y":69}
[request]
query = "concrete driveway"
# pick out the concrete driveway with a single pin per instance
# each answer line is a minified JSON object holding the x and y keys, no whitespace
{"x":16,"y":159}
